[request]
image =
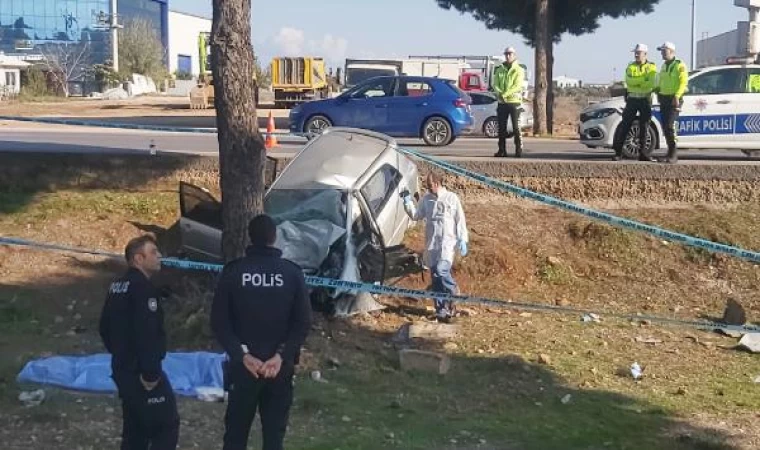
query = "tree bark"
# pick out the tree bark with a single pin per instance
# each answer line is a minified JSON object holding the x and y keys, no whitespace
{"x":542,"y":36}
{"x":242,"y":154}
{"x":550,"y":68}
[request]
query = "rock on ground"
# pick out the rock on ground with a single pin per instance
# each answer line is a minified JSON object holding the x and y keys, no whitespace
{"x":433,"y":330}
{"x":421,"y":360}
{"x":751,"y":342}
{"x":734,"y":313}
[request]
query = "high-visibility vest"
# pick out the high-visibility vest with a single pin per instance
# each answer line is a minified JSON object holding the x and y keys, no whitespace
{"x":640,"y":79}
{"x":673,"y":78}
{"x":508,"y":83}
{"x":753,"y":83}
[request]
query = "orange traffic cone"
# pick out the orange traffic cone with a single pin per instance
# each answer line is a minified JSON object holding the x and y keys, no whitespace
{"x":271,"y":140}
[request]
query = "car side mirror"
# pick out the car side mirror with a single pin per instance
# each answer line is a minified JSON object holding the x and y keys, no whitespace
{"x":345,"y":98}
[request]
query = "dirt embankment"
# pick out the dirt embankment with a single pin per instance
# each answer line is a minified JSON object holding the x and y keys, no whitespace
{"x":568,"y":180}
{"x":697,"y":390}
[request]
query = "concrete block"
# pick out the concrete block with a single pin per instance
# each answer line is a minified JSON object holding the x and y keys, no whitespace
{"x":424,"y":361}
{"x":751,"y":342}
{"x":427,"y":330}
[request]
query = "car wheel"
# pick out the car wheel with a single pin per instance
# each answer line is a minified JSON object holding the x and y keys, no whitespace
{"x":631,"y":144}
{"x":437,"y":132}
{"x":491,"y":127}
{"x":316,"y":125}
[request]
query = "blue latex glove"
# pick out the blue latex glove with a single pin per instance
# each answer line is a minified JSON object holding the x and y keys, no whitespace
{"x":462,"y":245}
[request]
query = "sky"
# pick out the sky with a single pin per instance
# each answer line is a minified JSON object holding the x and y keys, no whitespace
{"x":337,"y":29}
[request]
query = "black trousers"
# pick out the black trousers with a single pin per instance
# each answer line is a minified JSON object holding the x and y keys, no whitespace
{"x":150,"y":418}
{"x":669,"y":122}
{"x":634,"y":106}
{"x":504,"y":112}
{"x":271,"y":397}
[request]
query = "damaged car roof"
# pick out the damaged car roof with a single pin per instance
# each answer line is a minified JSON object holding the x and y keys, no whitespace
{"x":337,"y":160}
{"x":337,"y":208}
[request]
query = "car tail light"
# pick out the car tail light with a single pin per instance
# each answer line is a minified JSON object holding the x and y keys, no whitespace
{"x":459,"y":103}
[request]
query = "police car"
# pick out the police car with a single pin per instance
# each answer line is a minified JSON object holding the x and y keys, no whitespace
{"x":721,"y":110}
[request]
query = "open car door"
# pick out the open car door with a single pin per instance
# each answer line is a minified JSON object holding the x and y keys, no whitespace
{"x":200,"y":223}
{"x":369,"y":245}
{"x":377,"y":261}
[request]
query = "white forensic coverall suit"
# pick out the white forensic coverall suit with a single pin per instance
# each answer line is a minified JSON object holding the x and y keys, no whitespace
{"x":445,"y":227}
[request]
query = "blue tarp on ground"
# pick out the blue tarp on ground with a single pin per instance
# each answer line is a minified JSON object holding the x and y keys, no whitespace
{"x":186,"y":371}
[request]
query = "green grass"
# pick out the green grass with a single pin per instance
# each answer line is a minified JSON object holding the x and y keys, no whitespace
{"x":19,"y":323}
{"x":13,"y":316}
{"x":608,"y":242}
{"x":480,"y":399}
{"x":502,"y":399}
{"x":24,"y":207}
{"x":737,"y":226}
{"x":16,"y":315}
{"x":12,"y":202}
{"x":555,"y":274}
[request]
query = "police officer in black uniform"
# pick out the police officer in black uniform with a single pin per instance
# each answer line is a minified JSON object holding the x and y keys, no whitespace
{"x":132,"y":329}
{"x":261,"y":316}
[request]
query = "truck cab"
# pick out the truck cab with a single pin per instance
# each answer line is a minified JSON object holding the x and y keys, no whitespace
{"x":472,"y":82}
{"x":359,"y":70}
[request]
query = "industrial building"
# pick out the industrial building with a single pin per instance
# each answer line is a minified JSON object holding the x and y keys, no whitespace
{"x":717,"y":49}
{"x":184,"y":30}
{"x":739,"y":45}
{"x":28,"y":26}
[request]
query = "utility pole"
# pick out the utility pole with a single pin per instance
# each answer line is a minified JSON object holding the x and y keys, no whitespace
{"x":693,"y":34}
{"x":753,"y":40}
{"x":751,"y":45}
{"x":114,"y":23}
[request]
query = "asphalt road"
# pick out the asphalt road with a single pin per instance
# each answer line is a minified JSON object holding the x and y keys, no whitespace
{"x":61,"y":138}
{"x":280,"y":122}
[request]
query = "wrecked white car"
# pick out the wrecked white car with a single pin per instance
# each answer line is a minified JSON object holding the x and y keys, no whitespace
{"x":345,"y":179}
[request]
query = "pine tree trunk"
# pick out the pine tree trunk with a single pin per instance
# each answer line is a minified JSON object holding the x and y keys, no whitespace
{"x":242,"y":154}
{"x":550,"y":68}
{"x":542,"y":36}
{"x":550,"y":89}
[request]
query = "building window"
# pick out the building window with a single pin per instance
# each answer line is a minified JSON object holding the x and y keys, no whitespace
{"x":184,"y":64}
{"x":27,"y":24}
{"x":10,"y":79}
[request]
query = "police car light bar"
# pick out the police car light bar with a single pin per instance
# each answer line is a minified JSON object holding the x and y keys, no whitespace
{"x":741,"y":60}
{"x":747,"y":3}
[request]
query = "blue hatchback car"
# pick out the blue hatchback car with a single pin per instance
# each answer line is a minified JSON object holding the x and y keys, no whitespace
{"x":399,"y":106}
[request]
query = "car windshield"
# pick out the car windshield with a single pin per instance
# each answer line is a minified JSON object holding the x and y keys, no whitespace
{"x":302,"y":205}
{"x":357,"y":76}
{"x":309,"y":222}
